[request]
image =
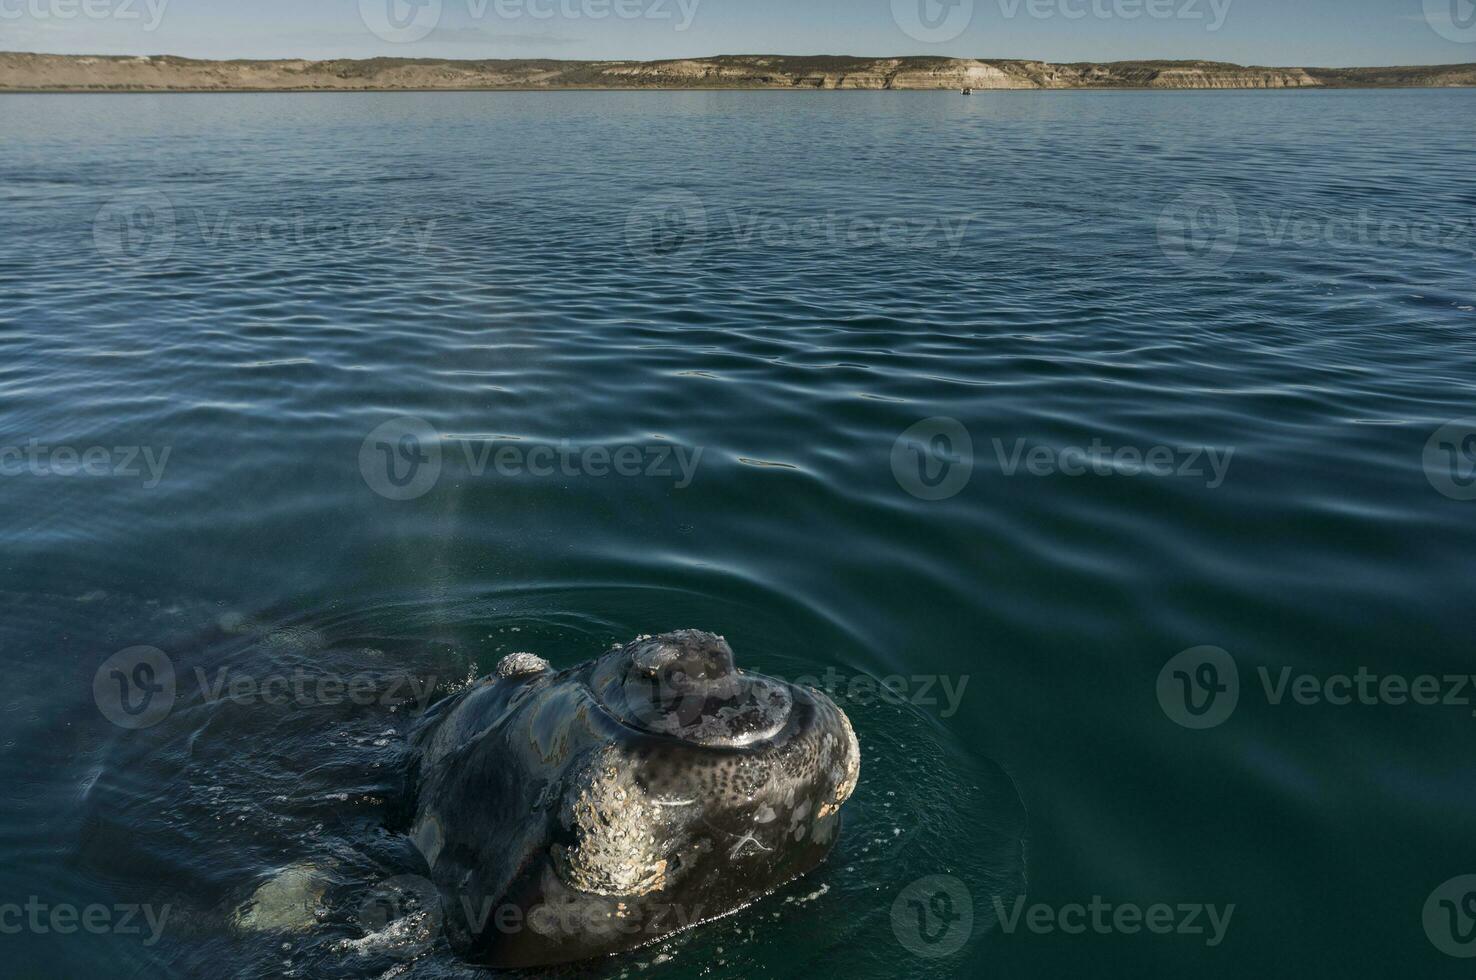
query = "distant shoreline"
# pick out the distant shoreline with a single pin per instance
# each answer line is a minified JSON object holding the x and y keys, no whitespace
{"x":23,"y":73}
{"x":1126,"y":90}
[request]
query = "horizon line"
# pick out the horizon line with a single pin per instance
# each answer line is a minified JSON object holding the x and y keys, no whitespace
{"x":708,"y":57}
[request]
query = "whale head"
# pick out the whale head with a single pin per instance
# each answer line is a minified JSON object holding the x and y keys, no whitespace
{"x":616,"y":803}
{"x":717,"y":782}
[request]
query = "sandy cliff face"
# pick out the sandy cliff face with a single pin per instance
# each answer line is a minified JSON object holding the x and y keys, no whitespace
{"x":26,"y":71}
{"x":958,"y":74}
{"x":1244,"y":78}
{"x":72,"y":73}
{"x":1421,"y":76}
{"x":819,"y":73}
{"x":1188,"y":75}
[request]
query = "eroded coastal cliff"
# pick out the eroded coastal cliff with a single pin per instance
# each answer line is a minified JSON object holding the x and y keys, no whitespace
{"x":162,"y":73}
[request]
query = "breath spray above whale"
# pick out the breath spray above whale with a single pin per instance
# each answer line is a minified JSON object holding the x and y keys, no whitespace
{"x":571,"y":814}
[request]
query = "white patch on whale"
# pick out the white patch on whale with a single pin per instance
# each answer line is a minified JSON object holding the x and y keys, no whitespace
{"x":291,"y":901}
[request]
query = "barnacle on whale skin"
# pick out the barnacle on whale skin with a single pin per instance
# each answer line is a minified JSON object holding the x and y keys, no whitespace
{"x":616,"y":828}
{"x":846,"y":770}
{"x":521,"y":665}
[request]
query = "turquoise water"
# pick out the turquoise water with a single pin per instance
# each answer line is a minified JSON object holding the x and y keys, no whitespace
{"x":1010,"y":399}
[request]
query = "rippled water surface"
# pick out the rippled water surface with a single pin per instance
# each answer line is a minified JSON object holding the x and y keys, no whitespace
{"x":389,"y":386}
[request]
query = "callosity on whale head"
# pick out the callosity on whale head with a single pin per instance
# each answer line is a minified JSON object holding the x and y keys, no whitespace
{"x":573,"y":814}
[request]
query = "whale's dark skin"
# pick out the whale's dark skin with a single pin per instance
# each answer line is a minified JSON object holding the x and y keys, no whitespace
{"x":573,"y":814}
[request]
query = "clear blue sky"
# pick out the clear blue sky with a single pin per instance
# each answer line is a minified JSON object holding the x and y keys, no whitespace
{"x":1268,"y":32}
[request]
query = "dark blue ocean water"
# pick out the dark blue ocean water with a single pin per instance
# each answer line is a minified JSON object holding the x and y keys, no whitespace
{"x":1008,"y":401}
